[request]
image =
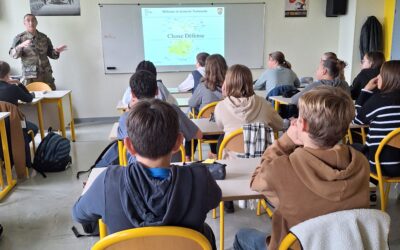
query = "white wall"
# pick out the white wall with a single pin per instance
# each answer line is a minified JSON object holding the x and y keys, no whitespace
{"x":350,"y":29}
{"x":95,"y":94}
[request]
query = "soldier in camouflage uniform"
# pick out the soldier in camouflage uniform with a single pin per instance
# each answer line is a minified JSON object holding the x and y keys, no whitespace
{"x":34,"y":48}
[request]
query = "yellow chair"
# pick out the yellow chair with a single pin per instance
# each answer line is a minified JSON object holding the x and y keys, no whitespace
{"x":288,"y":241}
{"x":205,"y":112}
{"x":38,"y":86}
{"x":162,"y":237}
{"x":392,"y":139}
{"x":234,"y":142}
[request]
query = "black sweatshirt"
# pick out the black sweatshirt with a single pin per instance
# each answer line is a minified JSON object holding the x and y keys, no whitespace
{"x":12,"y":93}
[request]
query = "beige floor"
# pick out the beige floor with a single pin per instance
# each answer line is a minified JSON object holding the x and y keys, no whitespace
{"x":37,"y":213}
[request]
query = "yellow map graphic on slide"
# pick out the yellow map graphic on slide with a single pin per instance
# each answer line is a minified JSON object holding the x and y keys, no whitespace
{"x":180,"y":48}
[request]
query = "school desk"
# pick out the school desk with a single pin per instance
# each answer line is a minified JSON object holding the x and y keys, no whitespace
{"x":37,"y":101}
{"x":174,"y":91}
{"x":182,"y":102}
{"x":5,"y":189}
{"x":280,"y":100}
{"x":62,"y":111}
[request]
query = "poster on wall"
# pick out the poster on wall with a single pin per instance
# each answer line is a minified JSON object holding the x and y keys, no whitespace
{"x":296,"y":8}
{"x":55,"y":7}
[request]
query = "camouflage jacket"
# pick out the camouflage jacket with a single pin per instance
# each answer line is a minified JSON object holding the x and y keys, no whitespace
{"x":34,"y":57}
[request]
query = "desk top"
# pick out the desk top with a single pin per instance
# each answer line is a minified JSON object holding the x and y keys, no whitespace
{"x":4,"y":115}
{"x":207,"y":127}
{"x":114,"y":132}
{"x":182,"y":102}
{"x":56,"y":94}
{"x":236,"y":186}
{"x":281,"y":99}
{"x":34,"y":101}
{"x":176,"y":91}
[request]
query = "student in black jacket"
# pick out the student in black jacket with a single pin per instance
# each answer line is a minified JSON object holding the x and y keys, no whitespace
{"x":13,"y":92}
{"x":371,"y":65}
{"x":379,"y":107}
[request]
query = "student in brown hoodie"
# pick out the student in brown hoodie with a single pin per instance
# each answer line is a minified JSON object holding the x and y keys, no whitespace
{"x":305,"y":173}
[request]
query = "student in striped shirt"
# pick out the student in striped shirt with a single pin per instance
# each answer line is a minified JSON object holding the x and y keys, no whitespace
{"x":379,"y":106}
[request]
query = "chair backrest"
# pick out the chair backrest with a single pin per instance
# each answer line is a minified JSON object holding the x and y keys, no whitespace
{"x":38,"y":86}
{"x":358,"y":228}
{"x":393,"y":140}
{"x":234,"y":142}
{"x":163,"y":237}
{"x":206,"y":111}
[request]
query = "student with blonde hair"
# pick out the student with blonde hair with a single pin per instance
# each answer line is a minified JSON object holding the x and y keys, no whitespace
{"x":327,"y":74}
{"x":307,"y":166}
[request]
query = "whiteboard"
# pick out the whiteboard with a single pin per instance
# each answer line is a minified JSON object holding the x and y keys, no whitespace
{"x":122,"y":36}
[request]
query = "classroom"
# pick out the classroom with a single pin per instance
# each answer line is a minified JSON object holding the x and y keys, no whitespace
{"x":95,"y":103}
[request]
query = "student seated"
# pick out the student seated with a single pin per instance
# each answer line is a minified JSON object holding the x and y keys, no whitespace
{"x":279,"y":73}
{"x":163,"y":93}
{"x":151,"y":191}
{"x":143,"y":84}
{"x":193,"y":79}
{"x":208,"y":91}
{"x":341,"y":64}
{"x":241,"y":105}
{"x":12,"y":92}
{"x":327,"y":74}
{"x":379,"y":107}
{"x":305,"y":173}
{"x":370,"y":67}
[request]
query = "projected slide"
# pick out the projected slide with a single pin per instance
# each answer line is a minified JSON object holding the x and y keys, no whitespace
{"x":174,"y":36}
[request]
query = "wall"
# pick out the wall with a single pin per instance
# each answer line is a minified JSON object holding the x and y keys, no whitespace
{"x":350,"y":30}
{"x":95,"y":94}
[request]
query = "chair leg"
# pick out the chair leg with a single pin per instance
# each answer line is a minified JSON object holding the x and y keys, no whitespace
{"x":214,"y":213}
{"x":258,"y":208}
{"x":30,"y":132}
{"x":382,"y":195}
{"x":1,"y":174}
{"x":387,"y":190}
{"x":102,"y":229}
{"x":200,"y":150}
{"x":267,"y":209}
{"x":192,"y":149}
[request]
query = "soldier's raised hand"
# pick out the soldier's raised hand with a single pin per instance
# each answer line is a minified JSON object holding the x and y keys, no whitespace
{"x":61,"y":48}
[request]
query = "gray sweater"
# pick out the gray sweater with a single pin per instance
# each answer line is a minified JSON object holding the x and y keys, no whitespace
{"x":203,"y":96}
{"x":334,"y":83}
{"x":272,"y":78}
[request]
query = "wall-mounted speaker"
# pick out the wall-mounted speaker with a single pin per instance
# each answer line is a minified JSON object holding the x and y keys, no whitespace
{"x":335,"y":8}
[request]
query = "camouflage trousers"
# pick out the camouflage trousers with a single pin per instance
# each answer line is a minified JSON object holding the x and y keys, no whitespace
{"x":46,"y":78}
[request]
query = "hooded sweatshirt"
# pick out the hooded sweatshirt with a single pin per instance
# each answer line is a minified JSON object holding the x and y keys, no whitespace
{"x":130,"y":197}
{"x":232,"y":113}
{"x":334,"y":83}
{"x":303,"y":183}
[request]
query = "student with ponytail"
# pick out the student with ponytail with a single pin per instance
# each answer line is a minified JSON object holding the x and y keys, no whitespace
{"x":279,"y":73}
{"x":327,"y":74}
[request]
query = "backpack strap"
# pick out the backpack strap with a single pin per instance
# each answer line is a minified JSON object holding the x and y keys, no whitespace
{"x":98,"y":158}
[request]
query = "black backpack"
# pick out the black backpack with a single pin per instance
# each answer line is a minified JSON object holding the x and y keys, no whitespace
{"x":52,"y":155}
{"x":109,"y":156}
